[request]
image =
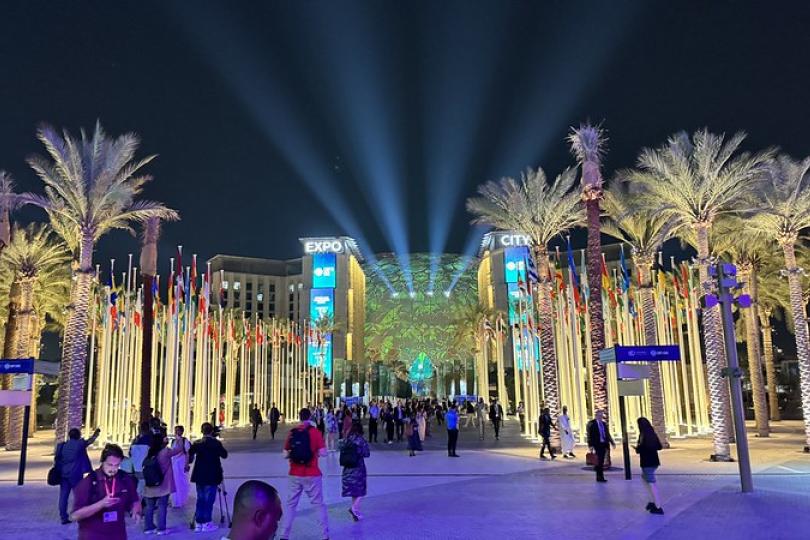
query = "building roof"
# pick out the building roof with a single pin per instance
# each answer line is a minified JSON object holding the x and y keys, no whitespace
{"x":255,"y":265}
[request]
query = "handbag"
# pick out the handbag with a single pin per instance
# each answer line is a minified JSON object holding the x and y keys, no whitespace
{"x":591,"y":460}
{"x":55,"y":472}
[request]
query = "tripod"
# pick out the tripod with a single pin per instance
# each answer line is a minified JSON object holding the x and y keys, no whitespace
{"x":222,"y":494}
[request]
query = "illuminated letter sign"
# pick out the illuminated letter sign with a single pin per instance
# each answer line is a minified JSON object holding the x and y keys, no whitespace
{"x":323,"y":246}
{"x":319,"y":352}
{"x":324,"y":270}
{"x":514,"y":264}
{"x":509,"y":240}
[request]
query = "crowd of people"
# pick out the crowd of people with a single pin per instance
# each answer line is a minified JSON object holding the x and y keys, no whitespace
{"x":154,"y":473}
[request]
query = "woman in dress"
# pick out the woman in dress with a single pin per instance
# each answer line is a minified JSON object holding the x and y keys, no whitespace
{"x":180,"y":468}
{"x":412,"y":434}
{"x":647,"y":449}
{"x":353,"y":481}
{"x":420,"y":420}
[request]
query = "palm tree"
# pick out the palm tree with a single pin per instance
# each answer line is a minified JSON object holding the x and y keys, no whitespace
{"x":91,"y":186}
{"x":784,"y":215}
{"x":771,"y":302}
{"x":32,"y":263}
{"x":469,"y":338}
{"x":645,"y":232}
{"x":588,"y":145}
{"x":693,"y":180}
{"x":542,"y":211}
{"x":749,"y":250}
{"x":10,"y":200}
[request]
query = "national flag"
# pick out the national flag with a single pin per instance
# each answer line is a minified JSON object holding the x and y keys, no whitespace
{"x":586,"y":286}
{"x":531,"y":269}
{"x":179,"y":273}
{"x":222,"y":300}
{"x":606,"y":285}
{"x":625,"y":272}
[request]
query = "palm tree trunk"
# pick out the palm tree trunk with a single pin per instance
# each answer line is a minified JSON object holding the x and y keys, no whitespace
{"x":749,"y":277}
{"x":644,"y":267}
{"x":8,"y":352}
{"x":802,"y":337}
{"x":597,"y":320}
{"x":21,"y":349}
{"x":715,"y":354}
{"x":148,"y":263}
{"x":770,"y":365}
{"x":551,"y":391}
{"x":74,"y":349}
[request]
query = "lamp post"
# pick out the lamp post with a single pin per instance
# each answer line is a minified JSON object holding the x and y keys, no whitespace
{"x":726,"y":276}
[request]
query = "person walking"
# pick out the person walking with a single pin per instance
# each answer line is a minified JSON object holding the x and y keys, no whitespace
{"x":159,"y":483}
{"x":353,"y":451}
{"x":546,"y":423}
{"x":207,"y":475}
{"x":412,"y":434}
{"x":451,"y":419}
{"x":480,"y":416}
{"x":346,"y":424}
{"x":302,"y":448}
{"x":496,"y":416}
{"x":566,"y":434}
{"x":273,"y":416}
{"x":104,"y":497}
{"x":470,"y":410}
{"x":373,"y":419}
{"x":399,"y":420}
{"x":521,"y":411}
{"x":421,"y":424}
{"x":72,"y":461}
{"x":599,"y":438}
{"x":647,"y":448}
{"x":390,"y":424}
{"x":138,"y":451}
{"x":255,"y":419}
{"x":331,"y":430}
{"x":180,"y":468}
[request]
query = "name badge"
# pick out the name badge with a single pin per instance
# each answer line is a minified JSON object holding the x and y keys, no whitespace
{"x":110,"y":517}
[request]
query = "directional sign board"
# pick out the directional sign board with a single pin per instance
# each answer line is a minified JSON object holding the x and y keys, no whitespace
{"x":23,"y":365}
{"x":641,"y":353}
{"x":20,"y":393}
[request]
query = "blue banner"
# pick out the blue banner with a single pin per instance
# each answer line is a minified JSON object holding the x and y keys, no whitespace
{"x":324,"y":271}
{"x":647,"y":353}
{"x":319,"y":352}
{"x":24,"y":365}
{"x":514,"y":264}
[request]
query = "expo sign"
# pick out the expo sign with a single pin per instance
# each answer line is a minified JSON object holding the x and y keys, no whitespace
{"x":323,"y":246}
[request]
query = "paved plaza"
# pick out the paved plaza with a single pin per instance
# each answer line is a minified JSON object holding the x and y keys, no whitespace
{"x":497,"y":489}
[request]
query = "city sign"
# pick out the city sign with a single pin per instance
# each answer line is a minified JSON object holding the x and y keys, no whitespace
{"x":641,"y":353}
{"x":513,"y":239}
{"x":328,"y":245}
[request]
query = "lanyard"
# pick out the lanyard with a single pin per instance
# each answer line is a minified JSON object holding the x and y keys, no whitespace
{"x":110,"y":493}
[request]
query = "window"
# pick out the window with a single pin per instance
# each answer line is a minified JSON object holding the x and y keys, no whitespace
{"x":249,"y":286}
{"x":224,"y":285}
{"x":272,"y":288}
{"x":260,"y":308}
{"x":260,"y":296}
{"x":236,"y":285}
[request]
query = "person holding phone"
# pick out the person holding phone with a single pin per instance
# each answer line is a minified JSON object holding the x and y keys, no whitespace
{"x":104,"y":497}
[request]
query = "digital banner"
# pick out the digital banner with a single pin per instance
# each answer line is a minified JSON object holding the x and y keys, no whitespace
{"x":514,"y":264}
{"x":324,"y":270}
{"x":319,"y":352}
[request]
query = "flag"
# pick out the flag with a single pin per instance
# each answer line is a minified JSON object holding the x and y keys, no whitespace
{"x":222,"y":300}
{"x":531,"y":269}
{"x":606,"y":285}
{"x":625,"y":272}
{"x":586,"y":286}
{"x":179,"y":273}
{"x":572,"y":274}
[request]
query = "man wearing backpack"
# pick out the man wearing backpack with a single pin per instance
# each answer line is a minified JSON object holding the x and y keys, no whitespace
{"x":207,"y":475}
{"x":73,"y":463}
{"x":303,"y":447}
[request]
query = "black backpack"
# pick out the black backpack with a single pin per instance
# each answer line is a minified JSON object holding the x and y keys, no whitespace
{"x":300,"y":449}
{"x":349,"y":457}
{"x":152,"y":473}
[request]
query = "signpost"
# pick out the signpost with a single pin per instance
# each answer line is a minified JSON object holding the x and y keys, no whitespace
{"x":631,"y":379}
{"x":19,"y":395}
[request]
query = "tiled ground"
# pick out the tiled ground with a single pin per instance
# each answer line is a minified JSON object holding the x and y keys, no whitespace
{"x":497,"y":489}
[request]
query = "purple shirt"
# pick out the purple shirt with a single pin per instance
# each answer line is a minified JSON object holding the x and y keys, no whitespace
{"x":108,"y":523}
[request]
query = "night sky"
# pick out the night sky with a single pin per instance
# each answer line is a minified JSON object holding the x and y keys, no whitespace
{"x":278,"y":120}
